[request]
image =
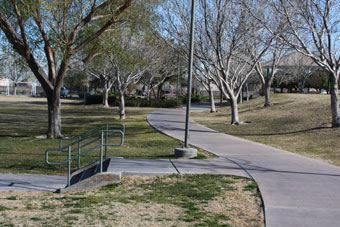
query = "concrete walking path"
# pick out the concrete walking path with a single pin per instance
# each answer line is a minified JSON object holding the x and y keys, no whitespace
{"x":296,"y":190}
{"x":31,"y":182}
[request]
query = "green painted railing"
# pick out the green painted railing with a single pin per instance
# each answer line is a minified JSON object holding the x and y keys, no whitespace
{"x":93,"y":139}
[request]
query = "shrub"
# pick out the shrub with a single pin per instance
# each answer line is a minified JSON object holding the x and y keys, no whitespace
{"x":94,"y":99}
{"x":98,"y":99}
{"x":134,"y":101}
{"x":158,"y":103}
{"x":195,"y":99}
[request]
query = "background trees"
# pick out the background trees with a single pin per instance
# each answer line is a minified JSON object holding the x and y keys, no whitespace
{"x":14,"y":67}
{"x":51,"y":33}
{"x":312,"y":28}
{"x":228,"y":43}
{"x":234,"y":39}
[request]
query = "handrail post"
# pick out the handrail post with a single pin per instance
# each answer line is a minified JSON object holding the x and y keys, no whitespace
{"x":101,"y":152}
{"x":106,"y":140}
{"x":69,"y":167}
{"x":79,"y":139}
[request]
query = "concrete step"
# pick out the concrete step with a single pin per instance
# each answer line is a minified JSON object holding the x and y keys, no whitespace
{"x":85,"y":178}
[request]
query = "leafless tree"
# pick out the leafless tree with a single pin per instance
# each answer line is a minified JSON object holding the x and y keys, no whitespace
{"x":14,"y":67}
{"x":267,"y":70}
{"x":164,"y":62}
{"x":130,"y":55}
{"x":312,"y":28}
{"x":204,"y":73}
{"x":103,"y":70}
{"x":300,"y":67}
{"x":236,"y":47}
{"x":227,"y":40}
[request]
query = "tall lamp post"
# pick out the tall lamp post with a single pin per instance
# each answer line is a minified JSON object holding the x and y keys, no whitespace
{"x":186,"y":151}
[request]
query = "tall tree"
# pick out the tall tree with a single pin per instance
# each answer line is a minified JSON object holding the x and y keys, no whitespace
{"x":51,"y":33}
{"x":312,"y":28}
{"x":101,"y":68}
{"x":267,"y":70}
{"x":14,"y":67}
{"x":236,"y":46}
{"x":227,"y":39}
{"x":300,"y":67}
{"x":164,"y":62}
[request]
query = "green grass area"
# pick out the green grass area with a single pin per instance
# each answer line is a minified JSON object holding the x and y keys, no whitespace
{"x":174,"y":200}
{"x":24,"y":119}
{"x":298,"y":123}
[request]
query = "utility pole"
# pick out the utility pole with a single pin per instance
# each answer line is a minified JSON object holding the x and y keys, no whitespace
{"x":186,"y":151}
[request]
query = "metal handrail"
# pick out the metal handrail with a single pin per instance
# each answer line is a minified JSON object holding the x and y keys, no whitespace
{"x":122,"y":127}
{"x":104,"y":134}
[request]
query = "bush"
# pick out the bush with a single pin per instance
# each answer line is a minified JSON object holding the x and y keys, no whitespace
{"x":98,"y":99}
{"x":134,"y":102}
{"x":196,"y":99}
{"x":94,"y":99}
{"x":165,"y":103}
{"x":158,"y":103}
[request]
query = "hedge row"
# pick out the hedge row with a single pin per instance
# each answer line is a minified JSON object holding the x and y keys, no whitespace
{"x":134,"y":102}
{"x":98,"y":99}
{"x":196,"y":99}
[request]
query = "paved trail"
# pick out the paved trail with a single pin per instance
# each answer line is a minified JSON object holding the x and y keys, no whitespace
{"x":297,"y":191}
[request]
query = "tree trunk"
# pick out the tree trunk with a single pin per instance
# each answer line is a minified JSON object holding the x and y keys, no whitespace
{"x":267,"y":101}
{"x":106,"y":98}
{"x":54,"y":116}
{"x":121,"y":107}
{"x":154,"y":93}
{"x":14,"y":89}
{"x":212,"y":101}
{"x":149,"y":89}
{"x":247,"y":91}
{"x":334,"y":89}
{"x":221,"y":98}
{"x":234,"y":110}
{"x":240,"y":97}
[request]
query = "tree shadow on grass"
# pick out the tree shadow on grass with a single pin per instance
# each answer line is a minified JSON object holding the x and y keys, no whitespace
{"x":281,"y":133}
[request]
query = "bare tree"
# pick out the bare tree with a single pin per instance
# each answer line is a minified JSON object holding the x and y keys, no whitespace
{"x":227,"y":40}
{"x":130,"y":55}
{"x":14,"y":67}
{"x":102,"y":69}
{"x":204,"y":74}
{"x":55,"y":32}
{"x":164,"y":61}
{"x":300,"y":67}
{"x":267,"y":70}
{"x":234,"y":39}
{"x":312,"y":29}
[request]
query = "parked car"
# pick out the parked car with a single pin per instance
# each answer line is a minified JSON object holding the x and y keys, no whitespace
{"x":169,"y":95}
{"x":64,"y":92}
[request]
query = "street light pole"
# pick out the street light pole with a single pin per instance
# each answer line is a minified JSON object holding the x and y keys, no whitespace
{"x":186,"y":151}
{"x":191,"y":56}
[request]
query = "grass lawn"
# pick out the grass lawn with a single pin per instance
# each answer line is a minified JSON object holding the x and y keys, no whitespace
{"x":176,"y":200}
{"x":298,"y":123}
{"x":190,"y":200}
{"x":24,"y":119}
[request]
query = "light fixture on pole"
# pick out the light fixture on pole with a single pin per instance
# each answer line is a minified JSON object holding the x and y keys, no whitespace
{"x":186,"y":151}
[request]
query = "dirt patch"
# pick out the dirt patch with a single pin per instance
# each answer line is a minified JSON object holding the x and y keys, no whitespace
{"x":131,"y":203}
{"x":243,"y":207}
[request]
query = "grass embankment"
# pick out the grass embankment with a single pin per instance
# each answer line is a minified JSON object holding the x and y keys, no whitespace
{"x":298,"y":123}
{"x":199,"y":200}
{"x":24,"y":119}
